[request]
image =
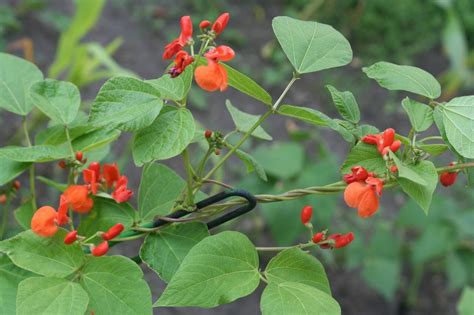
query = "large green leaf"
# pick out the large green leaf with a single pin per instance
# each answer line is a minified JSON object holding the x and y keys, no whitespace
{"x":295,"y":265}
{"x":420,"y":115}
{"x":105,"y":214}
{"x":165,"y":250}
{"x":126,"y":103}
{"x":311,"y":46}
{"x":246,"y":85}
{"x":346,"y":104}
{"x":458,"y":118}
{"x":10,"y":277}
{"x":45,"y":256}
{"x":365,"y":155}
{"x":10,"y":169}
{"x":16,"y":77}
{"x":244,"y":121}
{"x":87,"y":13}
{"x":38,"y":153}
{"x":314,"y":117}
{"x":218,"y":270}
{"x":59,"y":100}
{"x":297,"y":298}
{"x":24,"y":214}
{"x":404,"y":78}
{"x":47,"y":295}
{"x":115,"y":285}
{"x":174,"y":89}
{"x":422,"y":194}
{"x":166,"y":137}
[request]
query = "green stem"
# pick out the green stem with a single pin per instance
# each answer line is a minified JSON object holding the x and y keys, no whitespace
{"x":456,"y":167}
{"x":189,"y":177}
{"x":3,"y":226}
{"x":32,"y":167}
{"x":69,"y":141}
{"x":431,"y":138}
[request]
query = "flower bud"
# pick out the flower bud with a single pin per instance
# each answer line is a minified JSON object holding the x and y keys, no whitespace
{"x":204,"y":24}
{"x":62,"y":164}
{"x":79,"y":156}
{"x":217,"y":151}
{"x":3,"y":199}
{"x":70,"y":237}
{"x":448,"y":178}
{"x":318,"y":237}
{"x":113,"y":232}
{"x":306,"y":214}
{"x":16,"y":185}
{"x":208,"y":133}
{"x":101,"y":249}
{"x":393,"y":169}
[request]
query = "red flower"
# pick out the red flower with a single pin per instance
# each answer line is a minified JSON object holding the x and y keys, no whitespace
{"x":213,"y":76}
{"x":182,"y":60}
{"x":90,"y":178}
{"x":339,"y":240}
{"x":221,"y":23}
{"x":43,"y":222}
{"x":121,"y":193}
{"x":111,"y":174}
{"x":306,"y":214}
{"x":318,"y":237}
{"x":364,"y":196}
{"x":358,"y":174}
{"x":100,"y":249}
{"x":186,"y":34}
{"x":62,"y":211}
{"x":76,"y":197}
{"x":95,"y":167}
{"x":384,"y":141}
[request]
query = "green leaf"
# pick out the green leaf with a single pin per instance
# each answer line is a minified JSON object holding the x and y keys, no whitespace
{"x":314,"y":117}
{"x":95,"y":139}
{"x":465,"y":305}
{"x":405,"y":171}
{"x":434,"y":149}
{"x":37,"y":154}
{"x":46,"y":295}
{"x":404,"y":78}
{"x":104,"y":215}
{"x":59,"y":100}
{"x":275,"y":157}
{"x":365,"y":155}
{"x":246,"y":85}
{"x":252,"y":164}
{"x":422,"y":194}
{"x":311,"y":46}
{"x":159,"y":188}
{"x":295,"y":265}
{"x":126,"y":103}
{"x":87,"y":13}
{"x":165,"y":138}
{"x":244,"y":122}
{"x":115,"y":285}
{"x":218,"y":270}
{"x":346,"y":104}
{"x":24,"y":213}
{"x":458,"y":118}
{"x":174,"y":89}
{"x":16,"y":77}
{"x":165,"y":250}
{"x":44,"y":256}
{"x":51,"y":183}
{"x":9,"y":169}
{"x":296,"y":298}
{"x":10,"y":277}
{"x":420,"y":115}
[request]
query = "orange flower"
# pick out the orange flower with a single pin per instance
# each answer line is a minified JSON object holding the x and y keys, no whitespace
{"x":186,"y":34}
{"x":77,"y":198}
{"x":364,"y":196}
{"x":213,"y":76}
{"x":90,"y":178}
{"x":220,"y":23}
{"x":384,"y":141}
{"x":182,"y":60}
{"x":43,"y":222}
{"x":111,"y":174}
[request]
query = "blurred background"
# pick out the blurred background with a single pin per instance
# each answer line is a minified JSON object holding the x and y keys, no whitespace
{"x":402,"y":261}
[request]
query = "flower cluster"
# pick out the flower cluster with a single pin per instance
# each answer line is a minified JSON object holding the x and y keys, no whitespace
{"x":103,"y":247}
{"x":213,"y":75}
{"x":78,"y":198}
{"x":385,"y":141}
{"x":332,"y":241}
{"x":363,"y":191}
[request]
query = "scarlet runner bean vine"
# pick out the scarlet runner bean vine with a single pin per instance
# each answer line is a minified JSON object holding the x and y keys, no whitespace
{"x":66,"y":247}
